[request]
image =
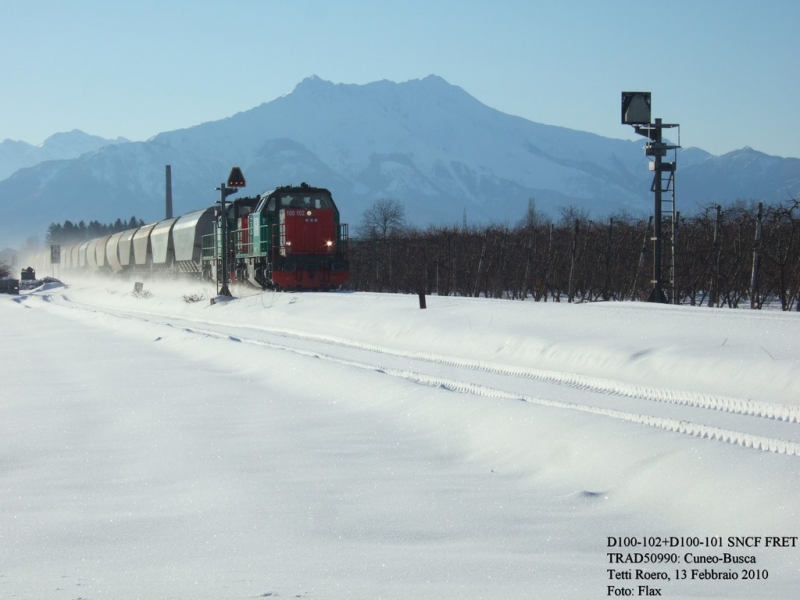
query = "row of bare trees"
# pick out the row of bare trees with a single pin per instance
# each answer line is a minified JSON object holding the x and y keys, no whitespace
{"x":578,"y":259}
{"x":73,"y":233}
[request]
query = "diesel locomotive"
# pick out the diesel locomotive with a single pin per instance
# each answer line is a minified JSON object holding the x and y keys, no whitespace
{"x":289,"y":238}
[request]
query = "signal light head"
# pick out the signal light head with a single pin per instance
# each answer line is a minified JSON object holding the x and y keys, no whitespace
{"x":236,"y":178}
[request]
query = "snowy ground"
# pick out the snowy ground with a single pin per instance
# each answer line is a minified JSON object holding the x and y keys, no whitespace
{"x":338,"y":446}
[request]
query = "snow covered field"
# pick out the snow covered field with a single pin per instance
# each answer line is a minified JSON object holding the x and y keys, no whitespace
{"x":338,"y":446}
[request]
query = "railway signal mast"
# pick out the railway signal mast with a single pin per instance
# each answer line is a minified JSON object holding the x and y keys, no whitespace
{"x":235,"y":181}
{"x":636,"y":112}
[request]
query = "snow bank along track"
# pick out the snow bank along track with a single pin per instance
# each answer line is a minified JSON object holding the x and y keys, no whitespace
{"x":325,"y":348}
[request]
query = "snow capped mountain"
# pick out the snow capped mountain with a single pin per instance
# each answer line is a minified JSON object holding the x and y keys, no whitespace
{"x":424,"y":142}
{"x":427,"y":143}
{"x":15,"y":155}
{"x":741,"y":174}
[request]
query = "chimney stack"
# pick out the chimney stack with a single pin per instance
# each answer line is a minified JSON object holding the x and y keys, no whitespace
{"x":169,"y":192}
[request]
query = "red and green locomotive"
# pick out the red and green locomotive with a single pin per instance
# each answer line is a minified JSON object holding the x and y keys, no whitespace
{"x":287,"y":238}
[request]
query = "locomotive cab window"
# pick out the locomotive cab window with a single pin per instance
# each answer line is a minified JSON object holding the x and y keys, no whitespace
{"x":322,"y":202}
{"x":303,"y":201}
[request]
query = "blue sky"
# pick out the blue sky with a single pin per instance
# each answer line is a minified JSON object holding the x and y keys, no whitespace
{"x":727,"y":71}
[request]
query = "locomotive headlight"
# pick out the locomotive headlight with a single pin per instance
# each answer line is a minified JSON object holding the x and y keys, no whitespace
{"x":329,"y":243}
{"x":288,"y":243}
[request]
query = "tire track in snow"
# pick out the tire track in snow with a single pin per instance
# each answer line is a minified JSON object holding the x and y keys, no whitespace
{"x":768,"y":410}
{"x":581,"y":382}
{"x":738,"y":438}
{"x":741,"y":406}
{"x":746,"y":440}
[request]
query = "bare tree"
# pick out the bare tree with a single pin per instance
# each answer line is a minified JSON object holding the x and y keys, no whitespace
{"x":532,"y":217}
{"x":385,"y":218}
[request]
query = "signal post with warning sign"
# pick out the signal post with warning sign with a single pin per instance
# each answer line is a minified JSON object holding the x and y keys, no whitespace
{"x":235,"y":181}
{"x":636,"y":111}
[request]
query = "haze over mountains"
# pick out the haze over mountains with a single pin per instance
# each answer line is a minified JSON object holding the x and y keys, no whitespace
{"x":424,"y":142}
{"x":15,"y":155}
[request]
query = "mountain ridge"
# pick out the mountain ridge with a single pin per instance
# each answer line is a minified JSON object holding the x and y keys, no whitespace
{"x":15,"y":154}
{"x":424,"y":142}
